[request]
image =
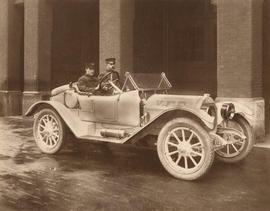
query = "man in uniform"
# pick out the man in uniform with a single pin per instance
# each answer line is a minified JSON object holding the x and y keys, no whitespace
{"x":110,"y":68}
{"x":88,"y":81}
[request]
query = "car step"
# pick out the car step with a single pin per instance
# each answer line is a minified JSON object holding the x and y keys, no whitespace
{"x":104,"y":139}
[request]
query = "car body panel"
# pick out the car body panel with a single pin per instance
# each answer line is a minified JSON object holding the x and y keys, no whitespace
{"x":158,"y":104}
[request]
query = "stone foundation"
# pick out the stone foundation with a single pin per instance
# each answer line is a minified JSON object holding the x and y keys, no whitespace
{"x":30,"y":97}
{"x":10,"y":103}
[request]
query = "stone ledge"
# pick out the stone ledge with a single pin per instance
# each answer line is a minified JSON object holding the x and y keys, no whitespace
{"x":31,"y":97}
{"x":10,"y":103}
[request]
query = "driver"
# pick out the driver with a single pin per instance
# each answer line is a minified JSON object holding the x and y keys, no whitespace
{"x":110,"y":68}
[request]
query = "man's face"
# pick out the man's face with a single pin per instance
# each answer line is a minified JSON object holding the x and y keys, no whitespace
{"x":89,"y":71}
{"x":110,"y":66}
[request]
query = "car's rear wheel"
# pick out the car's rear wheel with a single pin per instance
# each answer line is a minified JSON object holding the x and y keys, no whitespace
{"x":49,"y":131}
{"x":237,"y":148}
{"x":185,"y":149}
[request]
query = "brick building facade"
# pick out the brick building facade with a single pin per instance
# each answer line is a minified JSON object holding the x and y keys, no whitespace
{"x":221,"y":47}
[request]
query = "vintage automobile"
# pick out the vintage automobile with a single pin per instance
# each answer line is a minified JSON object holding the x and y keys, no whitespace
{"x":190,"y":130}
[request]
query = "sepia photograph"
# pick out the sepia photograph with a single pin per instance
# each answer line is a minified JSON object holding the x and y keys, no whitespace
{"x":134,"y":105}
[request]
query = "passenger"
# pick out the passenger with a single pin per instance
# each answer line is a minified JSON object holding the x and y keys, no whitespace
{"x":88,"y":81}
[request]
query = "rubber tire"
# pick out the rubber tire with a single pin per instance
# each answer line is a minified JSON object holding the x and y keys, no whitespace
{"x":205,"y":138}
{"x":62,"y":132}
{"x":248,"y":145}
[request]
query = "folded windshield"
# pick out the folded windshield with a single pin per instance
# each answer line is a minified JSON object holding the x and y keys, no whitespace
{"x":146,"y":81}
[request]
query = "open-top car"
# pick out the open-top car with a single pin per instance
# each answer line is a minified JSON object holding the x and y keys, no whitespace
{"x":189,"y":130}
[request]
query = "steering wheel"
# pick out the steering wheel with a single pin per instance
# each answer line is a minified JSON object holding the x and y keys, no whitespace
{"x":106,"y":83}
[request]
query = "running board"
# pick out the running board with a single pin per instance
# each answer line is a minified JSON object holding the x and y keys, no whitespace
{"x":109,"y":139}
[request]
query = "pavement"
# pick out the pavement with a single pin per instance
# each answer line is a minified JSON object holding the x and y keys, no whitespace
{"x":98,"y":176}
{"x":265,"y":143}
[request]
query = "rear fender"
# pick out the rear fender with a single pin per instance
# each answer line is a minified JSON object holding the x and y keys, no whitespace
{"x":71,"y":119}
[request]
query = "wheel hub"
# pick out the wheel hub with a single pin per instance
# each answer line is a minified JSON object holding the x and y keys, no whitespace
{"x":184,"y":149}
{"x":49,"y":130}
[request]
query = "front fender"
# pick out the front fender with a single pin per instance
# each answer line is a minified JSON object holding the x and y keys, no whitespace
{"x":197,"y":113}
{"x":70,"y":117}
{"x":161,"y":117}
{"x":241,"y":109}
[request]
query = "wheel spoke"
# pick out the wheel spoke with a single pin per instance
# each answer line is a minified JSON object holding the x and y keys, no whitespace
{"x":236,"y":150}
{"x":44,"y":122}
{"x":42,"y":126}
{"x":45,"y":118}
{"x":178,"y":159}
{"x":228,"y":149}
{"x":53,"y":138}
{"x":55,"y":135}
{"x":193,"y":161}
{"x":46,"y":140}
{"x":55,"y":130}
{"x":173,"y":152}
{"x":190,"y":137}
{"x":196,"y":153}
{"x":52,"y":141}
{"x":196,"y":145}
{"x":186,"y":162}
{"x":42,"y":137}
{"x":42,"y":132}
{"x":183,"y":135}
{"x":176,"y":137}
{"x":172,"y":144}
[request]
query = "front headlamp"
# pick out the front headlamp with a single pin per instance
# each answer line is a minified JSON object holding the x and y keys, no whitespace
{"x":227,"y":111}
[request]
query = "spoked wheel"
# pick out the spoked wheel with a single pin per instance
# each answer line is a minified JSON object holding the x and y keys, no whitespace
{"x":237,"y":147}
{"x":185,"y":149}
{"x":49,"y":131}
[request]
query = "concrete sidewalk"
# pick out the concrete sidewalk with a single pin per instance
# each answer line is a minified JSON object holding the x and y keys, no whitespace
{"x":265,"y":143}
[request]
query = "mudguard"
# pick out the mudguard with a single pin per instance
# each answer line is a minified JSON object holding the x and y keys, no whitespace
{"x":247,"y":113}
{"x":203,"y":119}
{"x":198,"y":114}
{"x":78,"y":127}
{"x":158,"y":105}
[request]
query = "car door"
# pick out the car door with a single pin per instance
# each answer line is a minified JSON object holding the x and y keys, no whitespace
{"x":98,"y":108}
{"x":121,"y":109}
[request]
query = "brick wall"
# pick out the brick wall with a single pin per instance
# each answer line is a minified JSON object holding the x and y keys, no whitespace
{"x":239,"y":48}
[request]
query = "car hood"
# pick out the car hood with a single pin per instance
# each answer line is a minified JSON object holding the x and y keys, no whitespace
{"x":164,"y":101}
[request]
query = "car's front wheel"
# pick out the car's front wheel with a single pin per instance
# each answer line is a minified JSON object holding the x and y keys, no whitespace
{"x":185,"y":149}
{"x":49,"y":131}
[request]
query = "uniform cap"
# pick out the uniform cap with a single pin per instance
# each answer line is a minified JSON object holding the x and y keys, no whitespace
{"x":110,"y":60}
